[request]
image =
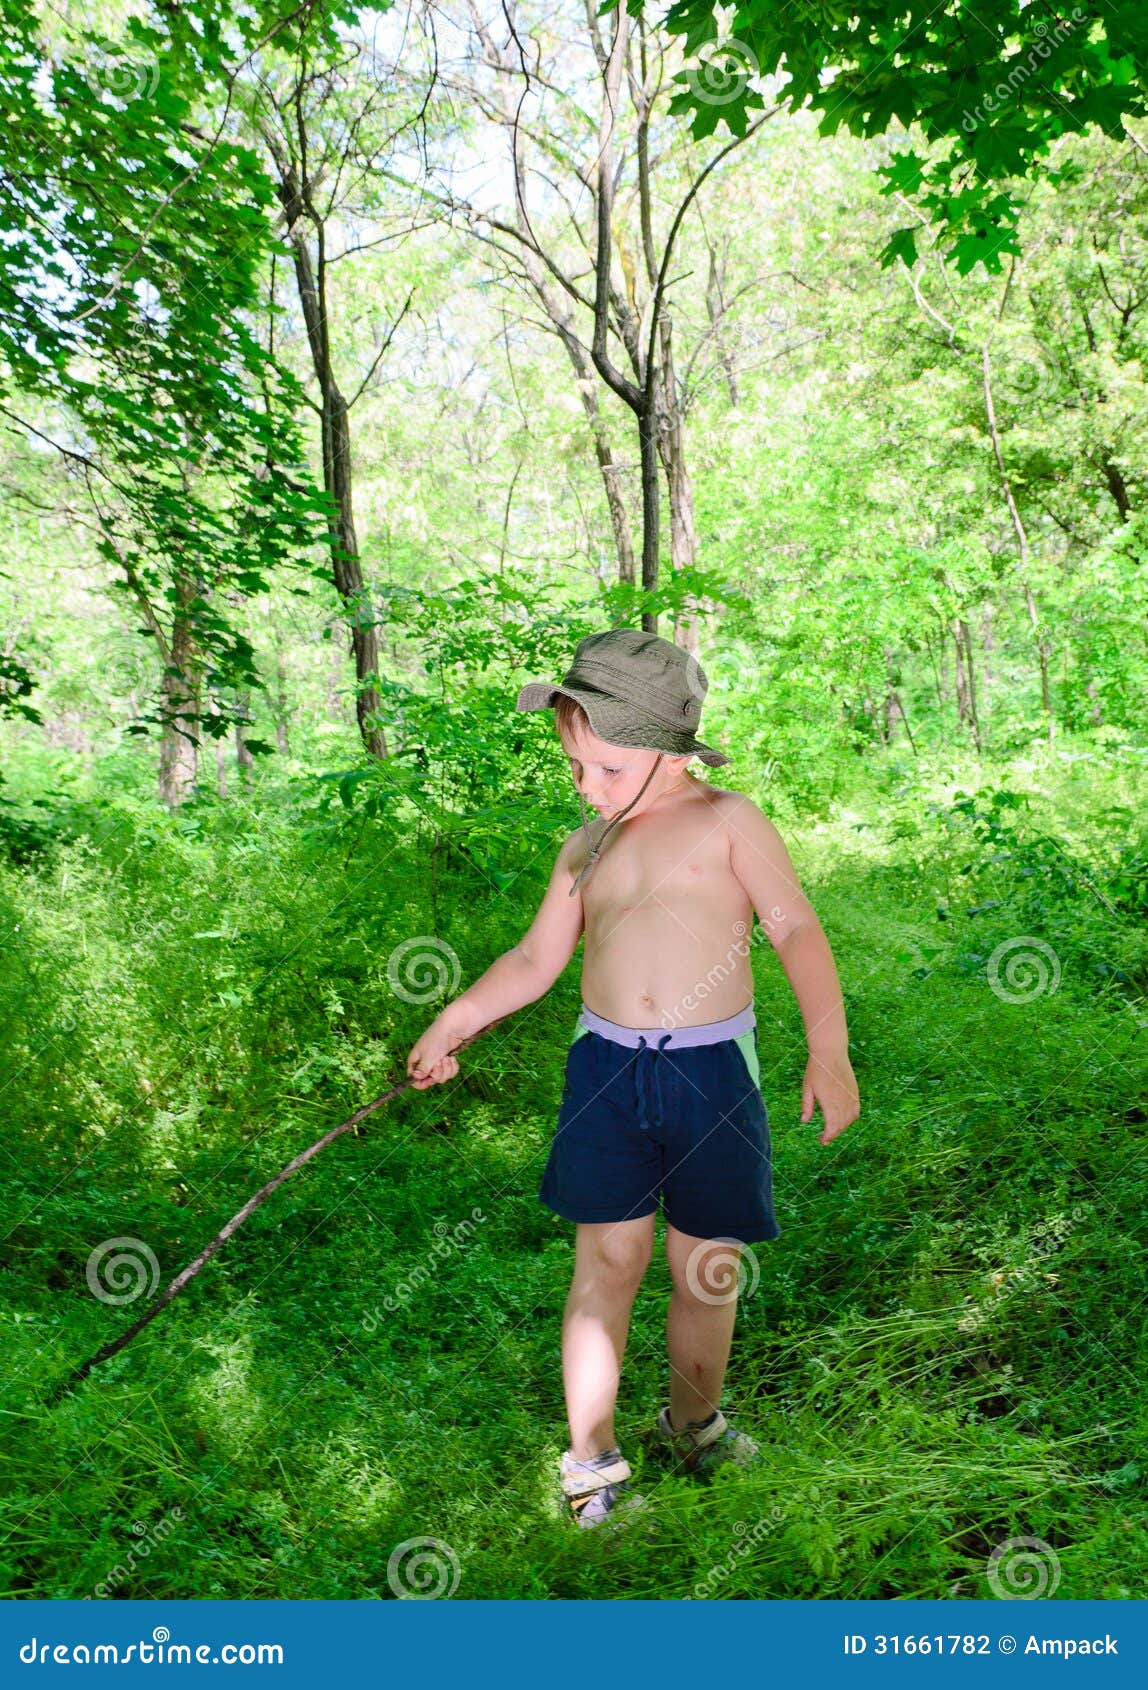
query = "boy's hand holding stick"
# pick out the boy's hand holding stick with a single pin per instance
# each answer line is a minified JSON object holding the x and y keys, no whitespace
{"x":437,"y":1067}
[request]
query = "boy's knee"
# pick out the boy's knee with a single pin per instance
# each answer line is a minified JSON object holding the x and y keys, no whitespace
{"x":617,"y":1255}
{"x":699,"y":1265}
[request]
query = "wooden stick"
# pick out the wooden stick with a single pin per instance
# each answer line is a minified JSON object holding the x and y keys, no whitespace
{"x":189,"y":1272}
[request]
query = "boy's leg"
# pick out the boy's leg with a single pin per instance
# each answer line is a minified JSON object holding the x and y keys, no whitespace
{"x":609,"y":1262}
{"x":699,"y":1329}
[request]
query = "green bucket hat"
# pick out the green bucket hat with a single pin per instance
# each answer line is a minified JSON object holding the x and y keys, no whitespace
{"x":639,"y":691}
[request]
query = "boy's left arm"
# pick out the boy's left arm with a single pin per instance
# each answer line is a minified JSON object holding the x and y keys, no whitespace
{"x":762,"y":864}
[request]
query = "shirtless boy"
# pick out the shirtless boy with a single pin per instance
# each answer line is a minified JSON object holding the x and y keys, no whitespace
{"x":661,"y":1095}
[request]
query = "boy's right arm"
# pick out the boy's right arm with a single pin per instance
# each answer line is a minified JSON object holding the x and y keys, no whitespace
{"x":525,"y":972}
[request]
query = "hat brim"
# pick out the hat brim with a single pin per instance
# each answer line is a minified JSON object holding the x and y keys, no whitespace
{"x":615,"y":722}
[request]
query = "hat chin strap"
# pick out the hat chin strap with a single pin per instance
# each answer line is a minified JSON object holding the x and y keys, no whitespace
{"x":596,"y":850}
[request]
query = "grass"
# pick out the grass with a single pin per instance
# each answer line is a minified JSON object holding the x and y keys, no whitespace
{"x":942,"y":1353}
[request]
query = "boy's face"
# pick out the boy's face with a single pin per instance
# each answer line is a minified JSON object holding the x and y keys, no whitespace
{"x":609,"y":776}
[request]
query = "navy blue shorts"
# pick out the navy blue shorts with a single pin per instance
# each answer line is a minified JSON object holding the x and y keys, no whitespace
{"x":676,"y":1115}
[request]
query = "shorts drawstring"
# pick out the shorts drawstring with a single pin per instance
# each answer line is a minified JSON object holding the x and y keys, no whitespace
{"x":646,"y":1068}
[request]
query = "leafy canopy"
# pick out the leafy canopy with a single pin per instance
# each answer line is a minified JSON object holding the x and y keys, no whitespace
{"x":991,"y":88}
{"x":136,"y":228}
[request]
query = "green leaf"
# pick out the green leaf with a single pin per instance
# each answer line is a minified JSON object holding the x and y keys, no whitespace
{"x":901,"y":244}
{"x":904,"y":175}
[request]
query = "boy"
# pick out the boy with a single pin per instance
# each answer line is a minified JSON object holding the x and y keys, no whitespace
{"x":661,"y":1084}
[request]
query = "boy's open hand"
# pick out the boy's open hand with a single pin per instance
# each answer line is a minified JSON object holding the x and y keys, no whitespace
{"x":832,"y":1084}
{"x":428,"y":1063}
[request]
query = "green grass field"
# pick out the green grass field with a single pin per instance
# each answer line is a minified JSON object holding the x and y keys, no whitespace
{"x":943,"y":1353}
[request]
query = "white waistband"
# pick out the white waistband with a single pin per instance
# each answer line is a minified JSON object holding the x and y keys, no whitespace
{"x":709,"y":1033}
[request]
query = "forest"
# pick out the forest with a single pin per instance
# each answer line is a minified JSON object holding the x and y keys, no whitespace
{"x":354,"y":365}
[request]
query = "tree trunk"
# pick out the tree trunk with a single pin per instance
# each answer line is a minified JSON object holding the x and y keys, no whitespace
{"x":895,"y":701}
{"x":311,"y":280}
{"x":972,"y":683}
{"x":556,"y":304}
{"x":875,"y":722}
{"x":651,"y":514}
{"x":1118,"y":488}
{"x":672,"y":443}
{"x":282,"y":739}
{"x":965,"y":678}
{"x":587,"y":386}
{"x":243,"y":758}
{"x":891,"y":700}
{"x":349,"y":574}
{"x":180,"y":701}
{"x":962,"y":691}
{"x":1114,"y":480}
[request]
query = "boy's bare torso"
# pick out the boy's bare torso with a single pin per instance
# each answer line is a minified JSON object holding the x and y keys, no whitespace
{"x":666,"y":921}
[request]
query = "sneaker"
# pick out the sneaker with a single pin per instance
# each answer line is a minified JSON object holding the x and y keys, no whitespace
{"x":703,"y":1445}
{"x":597,"y":1490}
